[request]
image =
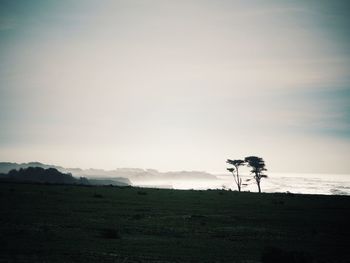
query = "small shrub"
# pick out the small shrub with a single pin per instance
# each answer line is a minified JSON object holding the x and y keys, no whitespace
{"x":141,"y":193}
{"x":110,"y":233}
{"x":277,"y":255}
{"x":138,"y":216}
{"x":278,"y":202}
{"x":290,"y":194}
{"x":98,"y":195}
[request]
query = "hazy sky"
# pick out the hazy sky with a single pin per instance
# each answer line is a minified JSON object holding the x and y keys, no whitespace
{"x":176,"y":85}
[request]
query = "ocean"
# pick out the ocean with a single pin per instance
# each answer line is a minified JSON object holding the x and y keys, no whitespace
{"x":328,"y":184}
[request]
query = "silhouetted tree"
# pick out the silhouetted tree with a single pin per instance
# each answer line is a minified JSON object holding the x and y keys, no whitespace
{"x":234,"y":171}
{"x":258,"y":167}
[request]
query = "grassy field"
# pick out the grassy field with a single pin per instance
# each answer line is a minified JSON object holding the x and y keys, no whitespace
{"x":58,"y":223}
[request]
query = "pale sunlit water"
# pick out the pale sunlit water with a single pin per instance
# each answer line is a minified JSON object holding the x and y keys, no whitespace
{"x":330,"y":184}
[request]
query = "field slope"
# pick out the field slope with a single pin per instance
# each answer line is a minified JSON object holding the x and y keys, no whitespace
{"x":63,"y":223}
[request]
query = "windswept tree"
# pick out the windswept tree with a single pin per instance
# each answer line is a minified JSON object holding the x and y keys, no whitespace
{"x":234,"y":171}
{"x":258,"y":167}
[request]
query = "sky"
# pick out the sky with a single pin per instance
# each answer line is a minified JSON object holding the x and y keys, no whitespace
{"x":176,"y":85}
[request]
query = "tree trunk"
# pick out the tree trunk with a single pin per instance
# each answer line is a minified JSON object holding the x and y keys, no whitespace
{"x":257,"y":178}
{"x":238,"y":181}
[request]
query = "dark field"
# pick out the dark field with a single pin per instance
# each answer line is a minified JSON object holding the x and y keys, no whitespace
{"x":57,"y":223}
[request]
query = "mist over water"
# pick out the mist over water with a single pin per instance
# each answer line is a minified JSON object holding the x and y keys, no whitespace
{"x":303,"y":183}
{"x":329,"y":184}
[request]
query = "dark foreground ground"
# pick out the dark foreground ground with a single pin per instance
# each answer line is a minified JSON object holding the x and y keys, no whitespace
{"x":57,"y":223}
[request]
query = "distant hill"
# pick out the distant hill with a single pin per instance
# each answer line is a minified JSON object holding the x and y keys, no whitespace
{"x":41,"y":175}
{"x":136,"y":174}
{"x":95,"y":176}
{"x":5,"y":167}
{"x":119,"y":176}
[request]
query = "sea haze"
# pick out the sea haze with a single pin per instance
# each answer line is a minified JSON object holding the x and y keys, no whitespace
{"x":303,"y":183}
